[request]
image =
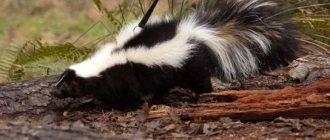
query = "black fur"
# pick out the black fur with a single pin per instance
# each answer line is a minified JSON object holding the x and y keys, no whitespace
{"x":130,"y":84}
{"x":154,"y":34}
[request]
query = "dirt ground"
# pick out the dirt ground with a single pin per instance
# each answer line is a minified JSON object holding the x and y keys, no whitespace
{"x":128,"y":126}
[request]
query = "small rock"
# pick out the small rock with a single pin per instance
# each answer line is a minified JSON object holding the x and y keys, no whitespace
{"x":310,"y":67}
{"x":65,"y":113}
{"x":300,"y":72}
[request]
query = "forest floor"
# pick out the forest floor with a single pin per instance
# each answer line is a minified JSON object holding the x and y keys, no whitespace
{"x":28,"y":110}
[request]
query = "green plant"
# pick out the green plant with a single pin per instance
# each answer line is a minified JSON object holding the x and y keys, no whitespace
{"x":7,"y":59}
{"x":312,"y":18}
{"x":31,"y":56}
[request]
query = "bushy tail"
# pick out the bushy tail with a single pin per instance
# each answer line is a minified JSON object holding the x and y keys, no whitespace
{"x":250,"y":37}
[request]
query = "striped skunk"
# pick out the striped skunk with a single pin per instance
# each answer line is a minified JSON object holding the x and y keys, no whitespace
{"x":228,"y":39}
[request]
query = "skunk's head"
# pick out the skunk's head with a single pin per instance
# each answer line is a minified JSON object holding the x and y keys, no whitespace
{"x":71,"y":85}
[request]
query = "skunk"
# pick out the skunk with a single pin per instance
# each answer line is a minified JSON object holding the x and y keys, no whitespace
{"x":228,"y":39}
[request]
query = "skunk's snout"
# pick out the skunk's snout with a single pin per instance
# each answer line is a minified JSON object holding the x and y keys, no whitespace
{"x":67,"y":85}
{"x":60,"y":90}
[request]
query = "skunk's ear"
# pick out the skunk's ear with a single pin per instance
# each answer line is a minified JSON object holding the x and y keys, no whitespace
{"x":66,"y":76}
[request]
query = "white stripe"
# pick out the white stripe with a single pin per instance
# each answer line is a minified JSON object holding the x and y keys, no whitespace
{"x":236,"y":60}
{"x":173,"y":52}
{"x":100,"y":61}
{"x":255,"y":37}
{"x":240,"y":57}
{"x":127,"y":32}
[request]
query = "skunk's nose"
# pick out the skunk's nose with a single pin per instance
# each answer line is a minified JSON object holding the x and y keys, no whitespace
{"x":67,"y":75}
{"x":59,"y":90}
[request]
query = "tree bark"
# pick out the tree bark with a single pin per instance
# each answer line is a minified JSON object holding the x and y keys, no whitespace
{"x":32,"y":97}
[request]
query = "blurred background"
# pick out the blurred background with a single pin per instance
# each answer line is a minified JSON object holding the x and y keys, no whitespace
{"x":43,"y":37}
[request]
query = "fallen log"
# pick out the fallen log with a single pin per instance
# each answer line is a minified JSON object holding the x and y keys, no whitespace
{"x":312,"y":101}
{"x":31,"y":97}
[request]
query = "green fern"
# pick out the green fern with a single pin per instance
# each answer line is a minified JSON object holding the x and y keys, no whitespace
{"x":36,"y":50}
{"x":17,"y":61}
{"x":7,"y":60}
